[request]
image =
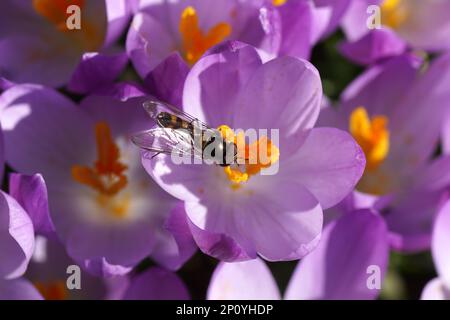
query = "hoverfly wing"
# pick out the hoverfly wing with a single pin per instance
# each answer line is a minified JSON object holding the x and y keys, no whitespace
{"x":167,"y":141}
{"x":155,"y":107}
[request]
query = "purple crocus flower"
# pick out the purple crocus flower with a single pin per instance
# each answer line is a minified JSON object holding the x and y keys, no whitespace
{"x":439,"y":288}
{"x":235,"y":214}
{"x":349,"y":263}
{"x":37,"y":46}
{"x":191,"y":27}
{"x":395,"y":113}
{"x":406,"y":24}
{"x":107,"y":212}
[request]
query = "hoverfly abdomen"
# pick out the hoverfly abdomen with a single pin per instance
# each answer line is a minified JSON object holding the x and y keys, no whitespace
{"x":171,"y":121}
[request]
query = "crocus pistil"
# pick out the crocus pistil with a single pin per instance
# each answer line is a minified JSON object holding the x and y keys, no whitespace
{"x":259,"y":155}
{"x":53,"y":290}
{"x":195,"y":41}
{"x":372,"y":135}
{"x":394,"y":13}
{"x":107,"y":175}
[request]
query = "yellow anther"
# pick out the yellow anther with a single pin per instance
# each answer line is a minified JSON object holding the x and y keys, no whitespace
{"x":372,"y":135}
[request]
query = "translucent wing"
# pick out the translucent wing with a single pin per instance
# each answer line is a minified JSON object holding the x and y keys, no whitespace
{"x":168,"y":141}
{"x":155,"y":107}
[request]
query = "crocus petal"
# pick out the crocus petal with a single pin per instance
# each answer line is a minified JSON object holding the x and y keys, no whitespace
{"x":122,"y":91}
{"x":294,"y":223}
{"x":410,"y":217}
{"x":100,"y":267}
{"x":118,"y":13}
{"x":2,"y":154}
{"x":435,"y":290}
{"x":431,"y":99}
{"x":381,"y":87}
{"x":327,"y":16}
{"x":296,"y":17}
{"x":166,"y":81}
{"x":17,"y":66}
{"x":148,"y":43}
{"x":31,"y":116}
{"x":329,"y":164}
{"x":373,"y":47}
{"x":354,"y":22}
{"x":249,"y":280}
{"x":220,"y":245}
{"x":175,"y":244}
{"x":18,"y":289}
{"x":96,"y":70}
{"x":16,"y":238}
{"x":446,"y":135}
{"x":31,"y":193}
{"x":284,"y":93}
{"x":352,"y":250}
{"x":156,"y":284}
{"x":427,"y":26}
{"x":214,"y":82}
{"x":440,"y":244}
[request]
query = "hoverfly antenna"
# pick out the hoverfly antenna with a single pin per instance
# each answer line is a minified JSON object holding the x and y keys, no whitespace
{"x":151,"y":107}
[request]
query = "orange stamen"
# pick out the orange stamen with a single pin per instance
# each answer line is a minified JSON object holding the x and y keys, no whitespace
{"x":107,"y":175}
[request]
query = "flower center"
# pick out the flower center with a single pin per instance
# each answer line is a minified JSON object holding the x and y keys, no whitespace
{"x":278,"y":2}
{"x":89,"y":38}
{"x":55,"y":290}
{"x":394,"y":13}
{"x":195,"y":42}
{"x":258,"y":155}
{"x":372,"y":135}
{"x":107,"y":175}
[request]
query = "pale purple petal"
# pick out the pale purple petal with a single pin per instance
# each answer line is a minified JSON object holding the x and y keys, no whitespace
{"x":16,"y":238}
{"x":294,"y":224}
{"x":31,"y":193}
{"x":249,"y":280}
{"x":296,"y":17}
{"x":435,"y":290}
{"x":327,"y":16}
{"x":284,"y":94}
{"x":166,"y":81}
{"x":118,"y":13}
{"x":18,"y":289}
{"x":156,"y":284}
{"x":214,"y":82}
{"x":96,"y":70}
{"x":100,"y":267}
{"x":148,"y":43}
{"x":175,"y":245}
{"x":340,"y":268}
{"x":440,"y":244}
{"x":329,"y":164}
{"x":31,"y":118}
{"x":410,"y":217}
{"x":373,"y":47}
{"x":427,"y":25}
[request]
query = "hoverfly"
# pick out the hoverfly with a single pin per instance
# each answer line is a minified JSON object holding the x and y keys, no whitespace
{"x":176,"y":131}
